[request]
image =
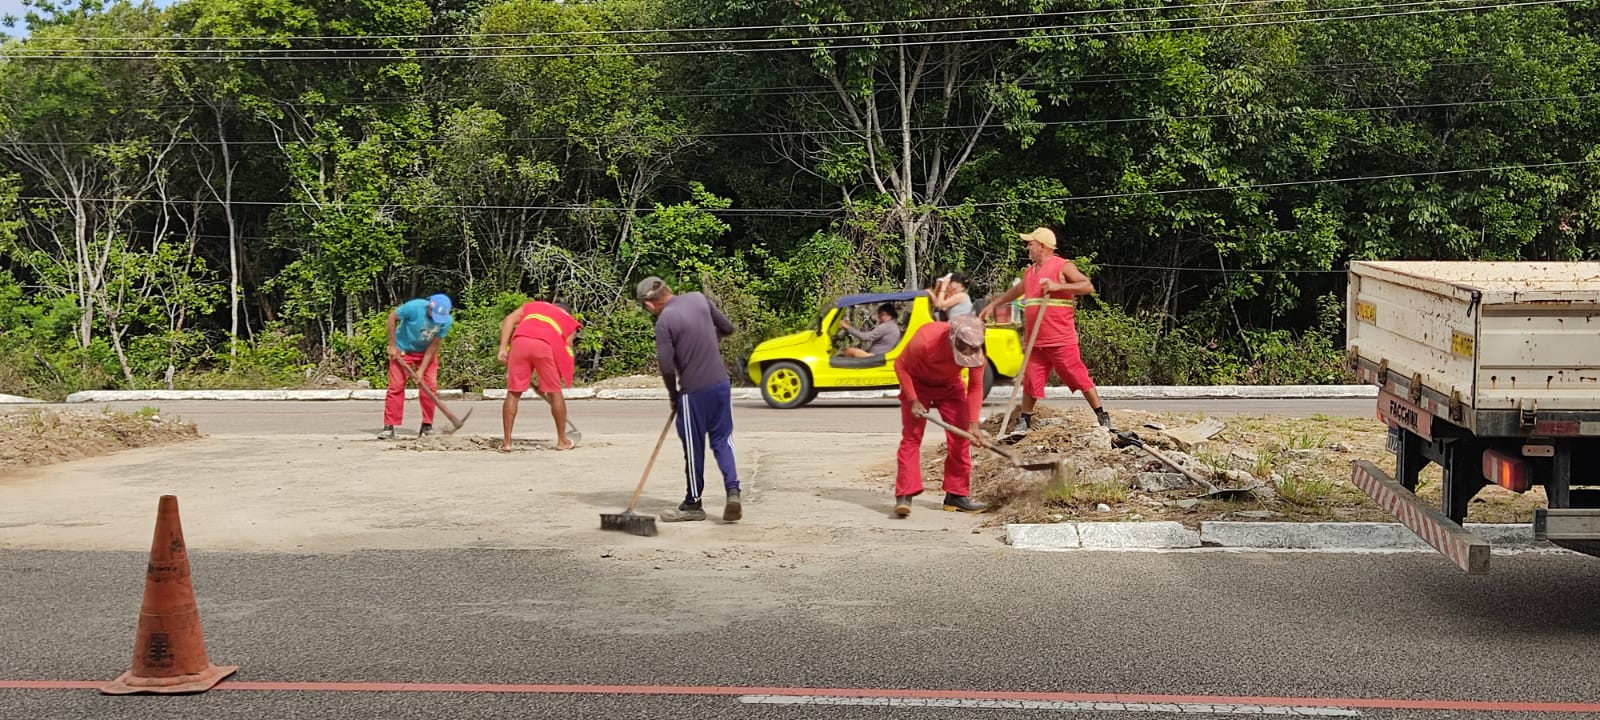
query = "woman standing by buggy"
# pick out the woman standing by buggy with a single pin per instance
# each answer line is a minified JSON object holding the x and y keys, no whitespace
{"x":949,"y":297}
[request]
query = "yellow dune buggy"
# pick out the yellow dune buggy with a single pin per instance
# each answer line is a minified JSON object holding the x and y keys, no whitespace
{"x":792,"y":369}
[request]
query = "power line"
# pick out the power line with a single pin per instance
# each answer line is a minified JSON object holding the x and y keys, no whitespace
{"x":803,"y":48}
{"x":808,"y":212}
{"x":179,"y":236}
{"x":1291,"y":183}
{"x":708,"y":29}
{"x":837,"y":131}
{"x":901,"y":35}
{"x":1224,"y":271}
{"x":818,"y":90}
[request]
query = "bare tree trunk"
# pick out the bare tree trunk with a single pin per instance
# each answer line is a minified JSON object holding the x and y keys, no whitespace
{"x":908,"y":228}
{"x":233,"y":236}
{"x":114,"y":330}
{"x":80,"y":229}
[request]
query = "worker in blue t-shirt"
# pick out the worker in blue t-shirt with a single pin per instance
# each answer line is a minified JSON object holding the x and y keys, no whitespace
{"x":415,"y":329}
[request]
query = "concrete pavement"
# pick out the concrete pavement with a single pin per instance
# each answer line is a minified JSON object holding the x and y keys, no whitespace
{"x":634,"y":416}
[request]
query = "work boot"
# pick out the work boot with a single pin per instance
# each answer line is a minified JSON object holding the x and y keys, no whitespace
{"x":426,"y":430}
{"x":1102,"y":417}
{"x":952,"y":503}
{"x":902,"y":505}
{"x":387,"y":433}
{"x":732,"y":510}
{"x":684,"y":513}
{"x":1023,"y":425}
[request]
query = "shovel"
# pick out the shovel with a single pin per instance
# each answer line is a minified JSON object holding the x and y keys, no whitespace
{"x":573,"y":433}
{"x":455,"y":422}
{"x":987,"y":444}
{"x":1016,"y":382}
{"x":1125,"y":438}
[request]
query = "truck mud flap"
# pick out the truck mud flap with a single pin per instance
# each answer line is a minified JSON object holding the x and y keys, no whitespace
{"x":1468,"y":551}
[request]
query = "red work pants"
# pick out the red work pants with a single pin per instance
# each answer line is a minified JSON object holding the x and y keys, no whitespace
{"x":951,"y":403}
{"x":394,"y":399}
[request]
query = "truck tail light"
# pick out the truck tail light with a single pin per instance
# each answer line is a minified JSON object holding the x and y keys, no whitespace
{"x":1506,"y":471}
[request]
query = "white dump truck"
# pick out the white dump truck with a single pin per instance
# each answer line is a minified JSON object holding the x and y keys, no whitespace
{"x":1492,"y":371}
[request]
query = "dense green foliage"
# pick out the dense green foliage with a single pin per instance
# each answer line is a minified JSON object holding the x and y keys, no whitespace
{"x":235,"y":192}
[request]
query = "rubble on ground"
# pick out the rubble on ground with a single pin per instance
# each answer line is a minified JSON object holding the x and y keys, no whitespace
{"x":1295,"y":469}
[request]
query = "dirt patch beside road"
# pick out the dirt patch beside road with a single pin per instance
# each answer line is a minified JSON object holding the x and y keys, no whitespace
{"x":1302,"y":466}
{"x":30,"y":438}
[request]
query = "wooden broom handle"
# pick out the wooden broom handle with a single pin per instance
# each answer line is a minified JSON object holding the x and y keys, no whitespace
{"x":659,"y":441}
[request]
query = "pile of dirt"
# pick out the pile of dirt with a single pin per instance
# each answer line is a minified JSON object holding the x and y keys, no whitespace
{"x":32,"y":438}
{"x":1299,"y":469}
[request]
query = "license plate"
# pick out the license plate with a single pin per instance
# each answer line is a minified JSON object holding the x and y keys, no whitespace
{"x":1393,"y":443}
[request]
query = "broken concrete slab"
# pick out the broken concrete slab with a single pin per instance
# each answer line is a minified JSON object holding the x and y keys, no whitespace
{"x":1193,"y":436}
{"x":1162,"y":481}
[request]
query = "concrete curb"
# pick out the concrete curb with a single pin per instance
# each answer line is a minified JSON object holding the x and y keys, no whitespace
{"x":1110,"y":392}
{"x":17,"y":400}
{"x":1124,"y":392}
{"x":1326,"y":536}
{"x":98,"y":396}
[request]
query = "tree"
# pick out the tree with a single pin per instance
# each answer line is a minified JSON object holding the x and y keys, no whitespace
{"x":93,"y":137}
{"x":906,"y":98}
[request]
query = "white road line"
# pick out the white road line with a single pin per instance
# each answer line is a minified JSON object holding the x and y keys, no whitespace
{"x":1055,"y":705}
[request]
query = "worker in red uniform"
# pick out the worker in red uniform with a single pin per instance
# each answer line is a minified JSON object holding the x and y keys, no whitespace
{"x":1050,"y":285}
{"x":929,"y":369}
{"x":536,"y":341}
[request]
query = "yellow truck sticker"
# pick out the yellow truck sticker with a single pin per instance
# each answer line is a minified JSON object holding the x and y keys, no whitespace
{"x":1367,"y":312}
{"x":1461,"y":343}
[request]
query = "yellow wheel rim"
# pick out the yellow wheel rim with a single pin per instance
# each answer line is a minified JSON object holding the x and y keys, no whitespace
{"x":783,"y":385}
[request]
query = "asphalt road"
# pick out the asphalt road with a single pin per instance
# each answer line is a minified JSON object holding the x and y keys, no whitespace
{"x":627,"y":416}
{"x":629,"y":628}
{"x":1278,"y":625}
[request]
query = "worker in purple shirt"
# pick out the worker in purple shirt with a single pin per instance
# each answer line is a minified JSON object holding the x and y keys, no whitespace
{"x":689,"y":333}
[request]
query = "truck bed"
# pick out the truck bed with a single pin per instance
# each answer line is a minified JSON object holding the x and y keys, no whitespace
{"x":1497,"y":347}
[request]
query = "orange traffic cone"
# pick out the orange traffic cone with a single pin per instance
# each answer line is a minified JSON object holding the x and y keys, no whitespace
{"x":169,"y":651}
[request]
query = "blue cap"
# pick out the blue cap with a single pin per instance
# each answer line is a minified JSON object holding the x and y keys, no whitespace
{"x":439,"y":308}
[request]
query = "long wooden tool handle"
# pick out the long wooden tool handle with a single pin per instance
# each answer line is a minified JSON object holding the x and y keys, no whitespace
{"x":1192,"y":475}
{"x":659,"y":441}
{"x":958,"y":432}
{"x":1169,"y":462}
{"x":423,"y":387}
{"x":1027,"y":352}
{"x":571,"y":428}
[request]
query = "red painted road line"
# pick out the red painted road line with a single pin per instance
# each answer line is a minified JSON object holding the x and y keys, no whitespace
{"x":714,"y":690}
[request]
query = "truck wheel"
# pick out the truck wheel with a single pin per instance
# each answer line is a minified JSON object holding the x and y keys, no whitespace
{"x":786,"y":385}
{"x":989,"y":378}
